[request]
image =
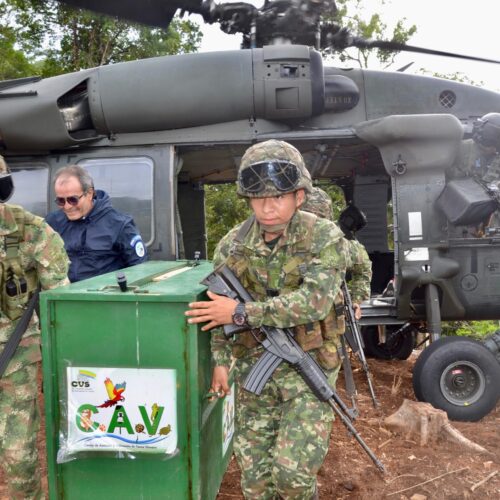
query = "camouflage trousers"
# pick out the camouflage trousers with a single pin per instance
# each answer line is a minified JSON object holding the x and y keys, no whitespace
{"x":282,"y":436}
{"x":19,"y":424}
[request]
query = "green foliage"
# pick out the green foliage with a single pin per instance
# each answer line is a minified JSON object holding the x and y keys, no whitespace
{"x":57,"y":39}
{"x":353,"y":14}
{"x":474,"y":329}
{"x":457,"y":77}
{"x":224,"y":209}
{"x":13,"y":63}
{"x":337,"y":195}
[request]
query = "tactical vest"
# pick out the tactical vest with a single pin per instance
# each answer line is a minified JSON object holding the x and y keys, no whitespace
{"x":287,"y":276}
{"x":16,"y":284}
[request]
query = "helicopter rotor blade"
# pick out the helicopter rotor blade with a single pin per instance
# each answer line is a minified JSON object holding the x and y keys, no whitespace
{"x":396,"y":46}
{"x":155,"y":13}
{"x":340,"y":39}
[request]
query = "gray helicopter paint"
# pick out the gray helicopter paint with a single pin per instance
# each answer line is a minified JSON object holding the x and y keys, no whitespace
{"x":417,"y":151}
{"x":277,"y":84}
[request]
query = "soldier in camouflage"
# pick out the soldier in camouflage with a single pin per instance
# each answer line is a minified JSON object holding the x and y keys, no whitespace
{"x":293,"y":264}
{"x":359,"y":266}
{"x":478,"y":157}
{"x":31,"y":255}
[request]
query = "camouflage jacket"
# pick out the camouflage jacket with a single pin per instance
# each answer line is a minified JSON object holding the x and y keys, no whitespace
{"x":473,"y":159}
{"x":359,"y":266}
{"x":40,"y":249}
{"x":306,"y":294}
{"x":492,"y":174}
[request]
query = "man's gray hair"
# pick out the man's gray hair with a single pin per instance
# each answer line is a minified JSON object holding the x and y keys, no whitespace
{"x":80,"y":173}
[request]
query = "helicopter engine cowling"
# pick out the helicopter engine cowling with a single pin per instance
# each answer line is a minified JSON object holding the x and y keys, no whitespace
{"x":163,"y":93}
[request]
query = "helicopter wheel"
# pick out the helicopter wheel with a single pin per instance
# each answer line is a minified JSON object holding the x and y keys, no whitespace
{"x":458,"y":375}
{"x":398,"y":347}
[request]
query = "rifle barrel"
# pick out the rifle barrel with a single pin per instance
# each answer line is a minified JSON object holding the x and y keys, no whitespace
{"x":356,"y":435}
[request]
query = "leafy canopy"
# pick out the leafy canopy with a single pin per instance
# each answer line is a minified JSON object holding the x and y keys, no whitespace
{"x":56,"y":39}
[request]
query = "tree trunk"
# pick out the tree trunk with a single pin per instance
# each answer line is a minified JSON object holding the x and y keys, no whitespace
{"x":416,"y":419}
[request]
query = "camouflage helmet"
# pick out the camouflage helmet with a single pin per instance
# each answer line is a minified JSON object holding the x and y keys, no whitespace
{"x":319,"y":203}
{"x":486,"y":130}
{"x":6,"y":184}
{"x":272,"y":168}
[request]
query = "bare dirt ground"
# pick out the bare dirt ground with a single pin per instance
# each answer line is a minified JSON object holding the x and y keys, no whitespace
{"x":441,"y":470}
{"x":436,"y":471}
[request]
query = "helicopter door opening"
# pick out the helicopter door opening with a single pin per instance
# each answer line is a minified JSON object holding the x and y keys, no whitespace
{"x":138,"y":179}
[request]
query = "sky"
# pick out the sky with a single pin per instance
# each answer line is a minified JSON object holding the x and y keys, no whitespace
{"x":449,"y":25}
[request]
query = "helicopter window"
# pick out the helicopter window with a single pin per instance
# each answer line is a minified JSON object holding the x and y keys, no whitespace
{"x":27,"y":182}
{"x":113,"y":175}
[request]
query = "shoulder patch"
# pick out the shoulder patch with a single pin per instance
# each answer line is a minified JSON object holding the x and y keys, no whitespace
{"x":135,"y":239}
{"x":138,"y":245}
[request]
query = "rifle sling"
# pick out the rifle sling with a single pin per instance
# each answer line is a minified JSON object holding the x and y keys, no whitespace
{"x":15,"y":338}
{"x":351,"y":340}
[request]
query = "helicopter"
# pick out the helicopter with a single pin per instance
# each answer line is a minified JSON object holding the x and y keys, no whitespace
{"x":381,"y":136}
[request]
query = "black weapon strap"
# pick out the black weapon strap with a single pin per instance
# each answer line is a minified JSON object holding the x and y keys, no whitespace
{"x":15,"y":338}
{"x":244,"y":229}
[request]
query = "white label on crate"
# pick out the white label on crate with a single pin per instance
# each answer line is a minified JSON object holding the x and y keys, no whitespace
{"x":227,"y":420}
{"x":121,"y":409}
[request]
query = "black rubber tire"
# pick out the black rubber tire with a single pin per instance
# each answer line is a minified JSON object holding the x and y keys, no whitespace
{"x":458,"y":375}
{"x":400,"y":348}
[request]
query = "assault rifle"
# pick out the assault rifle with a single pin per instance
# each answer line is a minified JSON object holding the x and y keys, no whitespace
{"x":280,"y":346}
{"x":356,"y":342}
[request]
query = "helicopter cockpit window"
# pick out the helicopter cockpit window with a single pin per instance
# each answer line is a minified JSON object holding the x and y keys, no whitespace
{"x":129,"y":183}
{"x":27,"y":181}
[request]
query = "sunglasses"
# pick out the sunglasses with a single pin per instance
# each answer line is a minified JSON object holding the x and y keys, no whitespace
{"x":283,"y":174}
{"x":71,"y":200}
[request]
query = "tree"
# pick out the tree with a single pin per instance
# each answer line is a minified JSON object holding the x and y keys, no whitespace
{"x":59,"y":39}
{"x":13,"y":63}
{"x":224,"y":209}
{"x":352,"y":15}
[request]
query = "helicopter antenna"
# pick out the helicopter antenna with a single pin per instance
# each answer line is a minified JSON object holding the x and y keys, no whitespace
{"x":405,"y":67}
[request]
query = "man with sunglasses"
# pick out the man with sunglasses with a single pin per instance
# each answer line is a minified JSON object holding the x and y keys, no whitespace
{"x":31,"y":255}
{"x":293,"y":264}
{"x":98,"y":238}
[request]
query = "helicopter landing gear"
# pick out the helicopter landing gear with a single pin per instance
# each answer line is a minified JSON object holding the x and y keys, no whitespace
{"x":433,"y":311}
{"x":399,"y":341}
{"x":458,"y":375}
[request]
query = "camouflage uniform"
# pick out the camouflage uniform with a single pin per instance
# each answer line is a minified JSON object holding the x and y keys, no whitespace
{"x":492,"y":173}
{"x":476,"y":161}
{"x":473,"y":159}
{"x":283,"y":435}
{"x":40,"y":250}
{"x":360,"y":269}
{"x":359,"y":265}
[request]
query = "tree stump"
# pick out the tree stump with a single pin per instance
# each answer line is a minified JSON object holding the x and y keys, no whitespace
{"x":417,"y":419}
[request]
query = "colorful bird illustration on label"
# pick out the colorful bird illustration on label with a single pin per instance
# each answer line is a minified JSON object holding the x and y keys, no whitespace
{"x":114,"y":393}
